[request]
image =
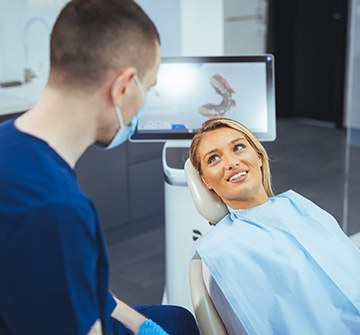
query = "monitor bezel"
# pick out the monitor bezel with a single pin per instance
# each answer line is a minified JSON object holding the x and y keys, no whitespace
{"x":267,"y":59}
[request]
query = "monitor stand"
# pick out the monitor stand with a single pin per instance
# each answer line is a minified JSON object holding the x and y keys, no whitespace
{"x":183,"y":224}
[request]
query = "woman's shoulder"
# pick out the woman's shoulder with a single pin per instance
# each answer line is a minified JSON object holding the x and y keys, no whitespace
{"x":214,"y":234}
{"x":289,"y":194}
{"x":294,"y":197}
{"x":301,"y":204}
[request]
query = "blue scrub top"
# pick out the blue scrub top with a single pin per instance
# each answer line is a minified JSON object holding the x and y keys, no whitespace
{"x":53,"y":260}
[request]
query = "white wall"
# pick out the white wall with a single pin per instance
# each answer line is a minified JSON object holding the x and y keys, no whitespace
{"x":188,"y":27}
{"x":24,"y":35}
{"x":245,"y":26}
{"x":166,"y":16}
{"x":25,"y":26}
{"x":202,"y":27}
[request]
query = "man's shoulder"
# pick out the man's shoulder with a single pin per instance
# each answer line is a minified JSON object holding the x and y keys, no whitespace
{"x":32,"y":172}
{"x":50,"y":191}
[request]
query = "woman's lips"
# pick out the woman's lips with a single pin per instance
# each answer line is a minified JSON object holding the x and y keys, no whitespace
{"x":237,"y":176}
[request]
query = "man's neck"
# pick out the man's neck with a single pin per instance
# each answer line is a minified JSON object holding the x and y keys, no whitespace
{"x":67,"y":122}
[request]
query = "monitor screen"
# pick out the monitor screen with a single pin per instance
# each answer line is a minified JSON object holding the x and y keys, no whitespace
{"x":191,"y":90}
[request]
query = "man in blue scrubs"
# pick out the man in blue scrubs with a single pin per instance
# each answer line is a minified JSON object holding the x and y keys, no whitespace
{"x":53,"y":262}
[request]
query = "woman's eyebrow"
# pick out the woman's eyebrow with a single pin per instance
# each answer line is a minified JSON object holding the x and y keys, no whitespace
{"x":237,"y":140}
{"x":210,"y":152}
{"x":230,"y":143}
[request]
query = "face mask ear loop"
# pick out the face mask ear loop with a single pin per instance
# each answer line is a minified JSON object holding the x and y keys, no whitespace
{"x":113,"y":88}
{"x":140,"y":85}
{"x":119,"y":116}
{"x":117,"y":108}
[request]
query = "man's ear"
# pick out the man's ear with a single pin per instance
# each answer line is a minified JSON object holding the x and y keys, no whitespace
{"x":206,"y":183}
{"x":121,"y":82}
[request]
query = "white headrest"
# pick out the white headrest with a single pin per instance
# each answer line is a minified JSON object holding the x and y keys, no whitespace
{"x":207,"y":202}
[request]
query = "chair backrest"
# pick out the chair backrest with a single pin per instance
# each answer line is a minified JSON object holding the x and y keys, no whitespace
{"x":207,"y":202}
{"x":356,"y":239}
{"x":206,"y":314}
{"x":213,"y":209}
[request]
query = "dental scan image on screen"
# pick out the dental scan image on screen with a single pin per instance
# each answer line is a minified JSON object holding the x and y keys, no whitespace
{"x":190,"y":91}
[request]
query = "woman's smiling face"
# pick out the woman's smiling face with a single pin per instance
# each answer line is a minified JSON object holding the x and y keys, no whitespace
{"x":232,"y":168}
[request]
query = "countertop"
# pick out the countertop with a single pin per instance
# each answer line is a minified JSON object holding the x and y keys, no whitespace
{"x":20,"y":98}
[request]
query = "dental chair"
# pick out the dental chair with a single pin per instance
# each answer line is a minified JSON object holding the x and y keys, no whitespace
{"x":213,"y":313}
{"x":212,"y":208}
{"x":356,"y":239}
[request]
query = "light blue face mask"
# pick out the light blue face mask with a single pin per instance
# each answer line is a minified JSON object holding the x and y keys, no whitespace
{"x":124,"y":132}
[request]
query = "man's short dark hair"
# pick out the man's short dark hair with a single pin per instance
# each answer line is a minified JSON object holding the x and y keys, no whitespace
{"x":92,"y":38}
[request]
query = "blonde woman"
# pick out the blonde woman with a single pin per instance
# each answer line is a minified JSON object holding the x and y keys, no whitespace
{"x":282,"y":263}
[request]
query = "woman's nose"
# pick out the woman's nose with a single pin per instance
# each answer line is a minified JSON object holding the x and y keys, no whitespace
{"x":231,"y":161}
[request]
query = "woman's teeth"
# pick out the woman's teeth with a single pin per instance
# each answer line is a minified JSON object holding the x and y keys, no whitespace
{"x":238,"y":175}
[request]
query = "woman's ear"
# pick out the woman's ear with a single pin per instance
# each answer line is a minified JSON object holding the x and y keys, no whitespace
{"x":206,"y":183}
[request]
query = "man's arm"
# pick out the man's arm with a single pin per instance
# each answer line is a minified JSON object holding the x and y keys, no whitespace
{"x":131,"y":319}
{"x":55,"y":257}
{"x":134,"y":321}
{"x":128,"y":316}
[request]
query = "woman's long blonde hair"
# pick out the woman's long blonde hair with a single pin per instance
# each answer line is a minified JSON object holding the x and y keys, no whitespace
{"x":217,"y":123}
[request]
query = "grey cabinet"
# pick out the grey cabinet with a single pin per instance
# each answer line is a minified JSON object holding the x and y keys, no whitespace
{"x":103,"y":177}
{"x":126,"y":185}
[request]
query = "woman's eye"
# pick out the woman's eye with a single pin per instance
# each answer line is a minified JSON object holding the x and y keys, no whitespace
{"x":239,"y":147}
{"x":213,"y":159}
